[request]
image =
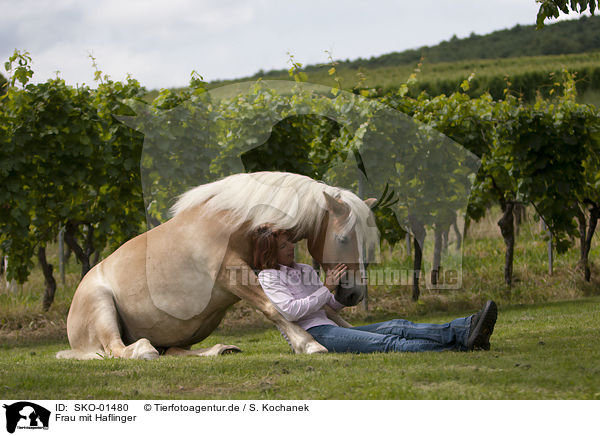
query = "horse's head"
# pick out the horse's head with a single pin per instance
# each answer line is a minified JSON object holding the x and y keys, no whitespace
{"x":347,"y":235}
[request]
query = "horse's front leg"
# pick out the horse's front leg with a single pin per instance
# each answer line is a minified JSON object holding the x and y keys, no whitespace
{"x":243,"y":282}
{"x":336,"y":317}
{"x":215,"y":350}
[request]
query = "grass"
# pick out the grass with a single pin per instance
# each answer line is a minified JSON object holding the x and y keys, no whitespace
{"x":544,"y":346}
{"x":543,"y":351}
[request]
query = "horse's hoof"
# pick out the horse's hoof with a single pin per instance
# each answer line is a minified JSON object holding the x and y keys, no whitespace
{"x":149,"y":355}
{"x":230,"y":349}
{"x":315,"y":347}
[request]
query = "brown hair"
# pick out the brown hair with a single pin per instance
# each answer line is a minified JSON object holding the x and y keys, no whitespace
{"x":264,"y":247}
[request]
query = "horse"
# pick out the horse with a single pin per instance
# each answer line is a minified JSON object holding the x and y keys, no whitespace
{"x":168,"y":288}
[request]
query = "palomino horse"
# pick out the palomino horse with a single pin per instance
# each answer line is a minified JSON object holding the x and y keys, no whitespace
{"x":169,"y":288}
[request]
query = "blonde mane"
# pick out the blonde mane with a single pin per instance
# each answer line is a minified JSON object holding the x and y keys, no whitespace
{"x":285,"y":200}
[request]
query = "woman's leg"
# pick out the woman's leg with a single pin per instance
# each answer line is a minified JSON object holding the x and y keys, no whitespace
{"x":353,"y":340}
{"x":455,"y":332}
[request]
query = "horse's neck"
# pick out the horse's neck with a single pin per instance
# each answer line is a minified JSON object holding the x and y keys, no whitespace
{"x":315,"y":238}
{"x":240,"y":242}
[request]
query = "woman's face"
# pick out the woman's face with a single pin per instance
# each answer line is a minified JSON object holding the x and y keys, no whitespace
{"x":285,"y":250}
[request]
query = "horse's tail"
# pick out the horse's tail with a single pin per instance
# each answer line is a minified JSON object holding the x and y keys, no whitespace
{"x":79,"y":355}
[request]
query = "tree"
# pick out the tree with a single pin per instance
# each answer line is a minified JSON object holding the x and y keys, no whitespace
{"x":552,"y":8}
{"x":3,"y":84}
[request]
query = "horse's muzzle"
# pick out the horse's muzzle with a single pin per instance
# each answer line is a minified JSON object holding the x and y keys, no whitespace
{"x":350,"y":296}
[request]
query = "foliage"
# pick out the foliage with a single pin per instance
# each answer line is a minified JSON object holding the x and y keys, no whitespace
{"x":65,"y":161}
{"x":530,"y":153}
{"x":548,"y":144}
{"x":552,"y":8}
{"x":300,"y":144}
{"x":3,"y":84}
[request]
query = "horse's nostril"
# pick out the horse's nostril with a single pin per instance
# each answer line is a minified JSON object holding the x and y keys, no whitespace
{"x":354,"y":299}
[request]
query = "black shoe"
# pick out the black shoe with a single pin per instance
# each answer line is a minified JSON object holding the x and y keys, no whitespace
{"x":482,"y":327}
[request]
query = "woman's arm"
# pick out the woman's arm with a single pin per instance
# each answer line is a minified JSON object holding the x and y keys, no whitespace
{"x":332,"y":307}
{"x":290,"y":307}
{"x":314,"y":278}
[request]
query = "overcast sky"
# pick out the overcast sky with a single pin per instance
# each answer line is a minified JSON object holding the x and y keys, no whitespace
{"x":161,"y":42}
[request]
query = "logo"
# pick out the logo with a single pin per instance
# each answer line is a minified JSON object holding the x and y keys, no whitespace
{"x":26,"y":415}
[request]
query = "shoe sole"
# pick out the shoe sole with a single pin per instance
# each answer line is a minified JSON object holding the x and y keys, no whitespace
{"x":481,"y":333}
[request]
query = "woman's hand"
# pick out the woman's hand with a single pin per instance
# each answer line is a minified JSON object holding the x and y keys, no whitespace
{"x":333,"y":276}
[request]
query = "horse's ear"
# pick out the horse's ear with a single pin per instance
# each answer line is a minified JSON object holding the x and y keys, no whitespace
{"x":337,"y":207}
{"x":370,"y":202}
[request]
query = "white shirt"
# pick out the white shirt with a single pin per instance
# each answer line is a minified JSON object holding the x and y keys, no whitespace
{"x":298,"y":294}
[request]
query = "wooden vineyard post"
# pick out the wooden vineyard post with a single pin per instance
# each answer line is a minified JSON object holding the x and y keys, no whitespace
{"x":61,"y":254}
{"x":550,"y":250}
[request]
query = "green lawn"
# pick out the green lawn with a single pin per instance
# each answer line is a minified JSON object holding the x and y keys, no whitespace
{"x":540,"y":351}
{"x":544,"y":345}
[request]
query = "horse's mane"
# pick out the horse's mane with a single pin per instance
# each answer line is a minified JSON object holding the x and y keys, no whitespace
{"x":285,"y":200}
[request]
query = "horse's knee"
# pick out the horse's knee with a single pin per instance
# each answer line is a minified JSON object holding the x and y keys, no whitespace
{"x":271,"y":313}
{"x":142,"y":349}
{"x":92,"y":321}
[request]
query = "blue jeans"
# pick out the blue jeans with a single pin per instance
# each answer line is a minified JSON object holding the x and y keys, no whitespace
{"x":394,"y":335}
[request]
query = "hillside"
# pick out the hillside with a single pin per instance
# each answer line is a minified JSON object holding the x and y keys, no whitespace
{"x":527,"y":76}
{"x":565,"y":37}
{"x":532,"y":60}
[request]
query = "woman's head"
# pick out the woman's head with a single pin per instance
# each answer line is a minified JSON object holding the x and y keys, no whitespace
{"x":271,"y":248}
{"x":285,"y":249}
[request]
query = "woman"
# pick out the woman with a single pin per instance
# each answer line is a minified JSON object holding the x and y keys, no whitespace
{"x":297,"y":292}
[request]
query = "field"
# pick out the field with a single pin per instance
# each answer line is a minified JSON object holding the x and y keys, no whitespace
{"x":430,"y":75}
{"x":541,"y":351}
{"x":544,"y":345}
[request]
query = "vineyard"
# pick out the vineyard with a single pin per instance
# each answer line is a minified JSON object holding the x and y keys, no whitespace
{"x":70,"y":161}
{"x":527,"y":76}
